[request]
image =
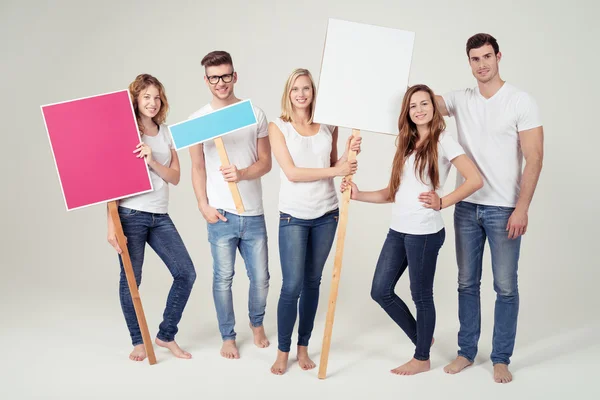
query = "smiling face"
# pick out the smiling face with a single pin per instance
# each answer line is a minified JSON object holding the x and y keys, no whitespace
{"x":420,"y":108}
{"x":301,"y":93}
{"x":225,"y":80}
{"x":484,"y":63}
{"x":149,"y":101}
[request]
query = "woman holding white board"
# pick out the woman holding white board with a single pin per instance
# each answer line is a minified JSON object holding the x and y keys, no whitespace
{"x":308,"y":205}
{"x":145,"y":219}
{"x":424,"y":155}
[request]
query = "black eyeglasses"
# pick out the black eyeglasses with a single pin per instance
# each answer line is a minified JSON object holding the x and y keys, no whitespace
{"x":214,"y":79}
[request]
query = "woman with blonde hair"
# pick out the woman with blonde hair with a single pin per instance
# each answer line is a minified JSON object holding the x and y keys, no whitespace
{"x":308,"y":205}
{"x":424,"y":155}
{"x":145,"y":219}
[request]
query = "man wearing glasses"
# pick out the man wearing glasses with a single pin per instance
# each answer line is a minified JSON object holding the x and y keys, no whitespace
{"x":250,"y":158}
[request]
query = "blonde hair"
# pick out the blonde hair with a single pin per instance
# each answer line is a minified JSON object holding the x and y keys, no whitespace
{"x":286,"y":102}
{"x":141,"y":83}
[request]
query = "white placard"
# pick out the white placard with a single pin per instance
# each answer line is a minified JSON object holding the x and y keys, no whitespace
{"x":364,"y":74}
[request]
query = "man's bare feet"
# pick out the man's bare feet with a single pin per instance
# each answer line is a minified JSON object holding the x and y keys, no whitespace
{"x":502,"y":374}
{"x":230,"y":350}
{"x":457,"y":365}
{"x":174,"y":348}
{"x":280,"y":365}
{"x":138,"y":353}
{"x":260,"y":338}
{"x":304,"y":360}
{"x":412,"y":367}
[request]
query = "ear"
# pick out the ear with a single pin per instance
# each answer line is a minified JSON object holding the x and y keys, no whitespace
{"x":234,"y":76}
{"x":499,"y":56}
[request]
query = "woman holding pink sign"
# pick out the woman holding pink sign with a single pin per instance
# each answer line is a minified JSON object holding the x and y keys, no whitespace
{"x":145,"y":219}
{"x":308,"y":206}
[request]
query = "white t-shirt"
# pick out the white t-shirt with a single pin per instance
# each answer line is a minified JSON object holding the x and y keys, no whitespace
{"x":408,"y":214}
{"x":156,"y":201}
{"x":242,"y":150}
{"x":307,"y":200}
{"x":488,"y":130}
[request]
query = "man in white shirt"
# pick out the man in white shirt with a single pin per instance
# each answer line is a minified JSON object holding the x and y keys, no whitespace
{"x":498,"y":125}
{"x":249,"y":154}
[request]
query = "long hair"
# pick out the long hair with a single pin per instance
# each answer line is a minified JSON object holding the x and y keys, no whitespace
{"x":286,"y":101}
{"x":426,"y":157}
{"x":141,"y":83}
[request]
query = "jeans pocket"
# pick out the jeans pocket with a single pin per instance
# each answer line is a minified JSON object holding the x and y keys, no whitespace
{"x":127,"y":212}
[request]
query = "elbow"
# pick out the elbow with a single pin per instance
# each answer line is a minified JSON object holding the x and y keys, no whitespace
{"x":268,"y":166}
{"x":291,"y":176}
{"x":176,"y":180}
{"x":478,"y":182}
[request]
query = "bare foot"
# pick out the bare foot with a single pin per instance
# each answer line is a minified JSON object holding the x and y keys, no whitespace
{"x":230,"y":350}
{"x":502,"y":374}
{"x":457,"y":365}
{"x":138,"y":353}
{"x":174,"y":348}
{"x":280,"y":365}
{"x":412,"y":367}
{"x":260,"y":338}
{"x":304,"y":360}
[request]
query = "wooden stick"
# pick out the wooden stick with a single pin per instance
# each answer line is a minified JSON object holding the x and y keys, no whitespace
{"x":237,"y":199}
{"x":337,"y":269}
{"x":135,"y":294}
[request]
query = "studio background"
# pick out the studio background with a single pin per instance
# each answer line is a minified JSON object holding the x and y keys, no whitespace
{"x":61,"y":324}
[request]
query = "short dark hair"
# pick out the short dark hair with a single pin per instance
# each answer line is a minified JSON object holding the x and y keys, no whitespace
{"x":481,"y":39}
{"x":215,"y":58}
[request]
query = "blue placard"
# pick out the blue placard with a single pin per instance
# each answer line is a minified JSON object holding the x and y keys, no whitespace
{"x":217,"y":123}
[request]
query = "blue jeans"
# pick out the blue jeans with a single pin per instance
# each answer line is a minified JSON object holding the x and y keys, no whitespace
{"x":304,"y":246}
{"x":419,"y":253}
{"x":474,"y":224}
{"x":159,"y":232}
{"x":249,"y":235}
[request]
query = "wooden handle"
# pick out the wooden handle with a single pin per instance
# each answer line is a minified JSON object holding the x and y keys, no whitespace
{"x":235,"y":192}
{"x":337,"y":269}
{"x":135,"y":294}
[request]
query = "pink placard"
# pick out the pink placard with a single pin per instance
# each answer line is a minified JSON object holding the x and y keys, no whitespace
{"x":92,"y":140}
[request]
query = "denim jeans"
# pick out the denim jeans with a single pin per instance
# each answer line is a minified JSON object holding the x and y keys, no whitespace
{"x":304,"y":246}
{"x":474,"y":224}
{"x":159,"y":232}
{"x":419,"y":253}
{"x":249,"y":235}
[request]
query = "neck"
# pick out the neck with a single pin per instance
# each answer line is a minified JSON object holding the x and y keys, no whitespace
{"x":423,"y":132}
{"x":147,"y":123}
{"x":300,"y":117}
{"x":217,"y":103}
{"x":490,"y":88}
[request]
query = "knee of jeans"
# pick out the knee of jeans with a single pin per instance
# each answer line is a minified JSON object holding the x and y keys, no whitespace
{"x":222,"y":280}
{"x":507,"y":288}
{"x":422,"y":299}
{"x":312,"y":283}
{"x":381,"y":295}
{"x":291,"y":290}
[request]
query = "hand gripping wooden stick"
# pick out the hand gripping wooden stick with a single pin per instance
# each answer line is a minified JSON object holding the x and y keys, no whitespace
{"x":237,"y":199}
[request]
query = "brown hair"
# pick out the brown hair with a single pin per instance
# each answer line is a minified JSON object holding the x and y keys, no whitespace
{"x":215,"y":58}
{"x":481,"y":39}
{"x":427,"y":154}
{"x":141,"y":83}
{"x":286,"y":101}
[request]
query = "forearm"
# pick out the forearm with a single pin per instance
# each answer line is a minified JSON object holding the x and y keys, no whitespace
{"x":168,"y":174}
{"x":199,"y":185}
{"x":256,"y":170}
{"x":529,"y":180}
{"x":468,"y":187}
{"x":296,"y":174}
{"x":379,"y":196}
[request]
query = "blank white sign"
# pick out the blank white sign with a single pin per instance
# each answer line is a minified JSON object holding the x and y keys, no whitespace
{"x":364,"y":74}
